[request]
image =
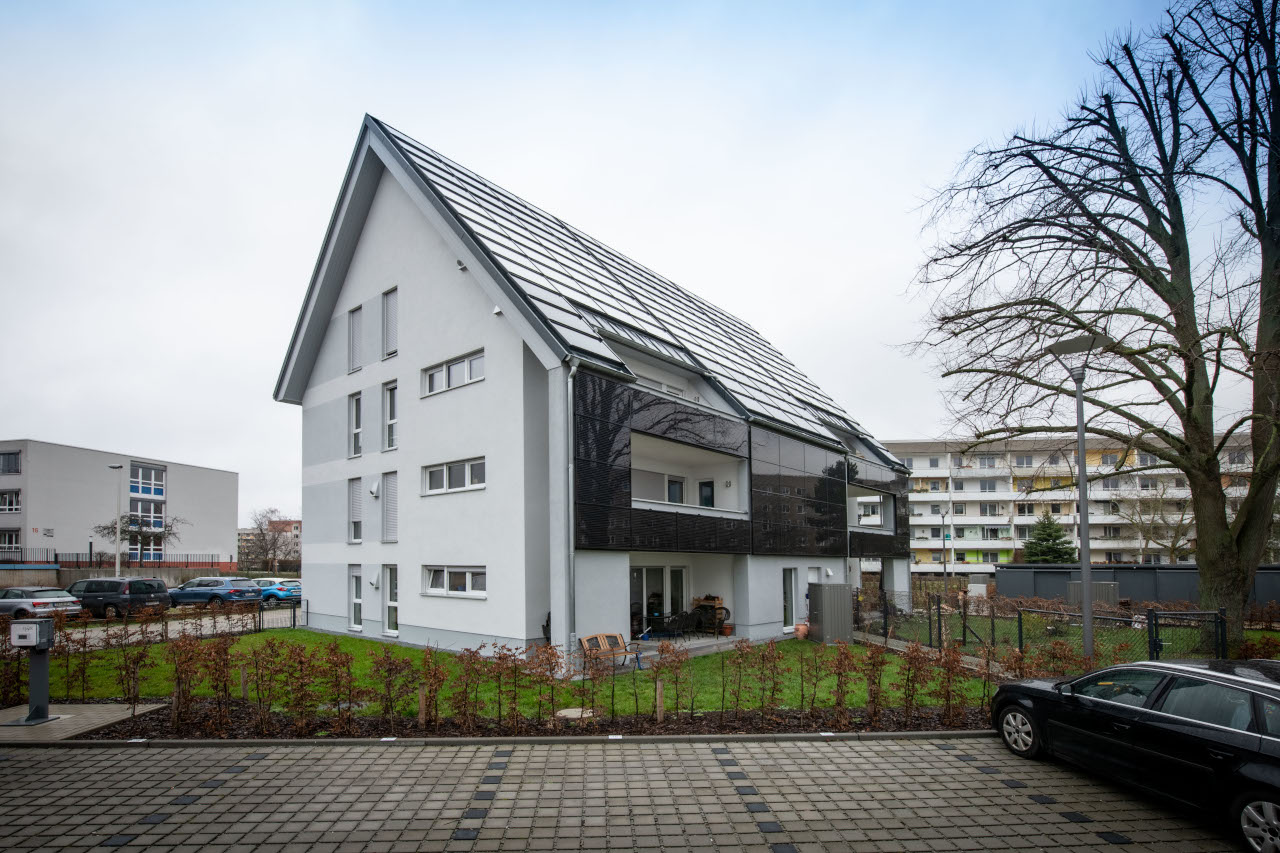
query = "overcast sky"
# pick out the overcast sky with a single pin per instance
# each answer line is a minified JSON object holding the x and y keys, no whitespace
{"x":167,"y":172}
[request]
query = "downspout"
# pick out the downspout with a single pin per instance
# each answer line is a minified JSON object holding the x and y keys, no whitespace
{"x":570,"y":575}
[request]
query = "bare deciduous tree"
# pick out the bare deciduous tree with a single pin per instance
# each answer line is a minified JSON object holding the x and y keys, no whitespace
{"x":272,"y":540}
{"x":1162,"y":522}
{"x":1149,"y":213}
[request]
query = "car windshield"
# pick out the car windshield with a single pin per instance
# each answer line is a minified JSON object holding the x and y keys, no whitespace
{"x":242,"y":584}
{"x":51,"y":593}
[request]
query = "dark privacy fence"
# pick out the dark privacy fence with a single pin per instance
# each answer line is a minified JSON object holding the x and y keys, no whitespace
{"x":1135,"y":583}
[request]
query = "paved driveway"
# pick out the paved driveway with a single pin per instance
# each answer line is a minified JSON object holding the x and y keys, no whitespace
{"x":767,"y":797}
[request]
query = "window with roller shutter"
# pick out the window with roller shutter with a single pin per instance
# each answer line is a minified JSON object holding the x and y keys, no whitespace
{"x":390,"y":507}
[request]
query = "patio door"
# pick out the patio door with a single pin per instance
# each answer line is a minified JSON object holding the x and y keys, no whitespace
{"x":662,"y":592}
{"x":788,"y":599}
{"x":677,"y":598}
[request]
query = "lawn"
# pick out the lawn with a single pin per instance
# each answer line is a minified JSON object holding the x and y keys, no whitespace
{"x":623,"y":690}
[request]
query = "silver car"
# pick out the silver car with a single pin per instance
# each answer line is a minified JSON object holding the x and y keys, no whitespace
{"x":26,"y":602}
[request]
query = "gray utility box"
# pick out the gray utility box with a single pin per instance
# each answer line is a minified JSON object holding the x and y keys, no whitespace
{"x":35,"y":634}
{"x":830,"y":612}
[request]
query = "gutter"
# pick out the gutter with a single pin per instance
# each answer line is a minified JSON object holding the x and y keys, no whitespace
{"x":571,"y":580}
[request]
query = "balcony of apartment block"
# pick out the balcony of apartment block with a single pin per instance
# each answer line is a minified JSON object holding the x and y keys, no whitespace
{"x":679,"y":478}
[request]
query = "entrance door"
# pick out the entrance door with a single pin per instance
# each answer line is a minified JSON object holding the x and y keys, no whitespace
{"x":788,"y":599}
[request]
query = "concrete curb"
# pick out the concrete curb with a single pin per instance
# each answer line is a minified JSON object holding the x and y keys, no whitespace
{"x":781,"y":737}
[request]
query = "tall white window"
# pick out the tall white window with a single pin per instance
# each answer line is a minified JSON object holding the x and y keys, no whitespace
{"x":390,"y":599}
{"x":355,"y":595}
{"x":451,"y":374}
{"x":390,"y":322}
{"x":146,"y":480}
{"x":355,"y":425}
{"x":453,"y":476}
{"x":355,"y":336}
{"x":355,"y":510}
{"x":389,"y":416}
{"x":390,"y":507}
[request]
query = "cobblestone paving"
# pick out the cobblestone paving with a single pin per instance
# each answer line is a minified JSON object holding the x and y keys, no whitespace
{"x":902,"y":795}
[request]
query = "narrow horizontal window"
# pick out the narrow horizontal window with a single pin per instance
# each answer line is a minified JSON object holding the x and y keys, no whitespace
{"x":461,"y":581}
{"x":453,"y":476}
{"x":452,"y":373}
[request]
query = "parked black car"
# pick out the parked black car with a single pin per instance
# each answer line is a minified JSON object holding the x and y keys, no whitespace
{"x":113,"y":597}
{"x":1204,"y":733}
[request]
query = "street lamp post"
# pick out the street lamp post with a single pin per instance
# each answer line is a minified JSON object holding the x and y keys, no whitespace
{"x":1073,"y":346}
{"x":119,"y":489}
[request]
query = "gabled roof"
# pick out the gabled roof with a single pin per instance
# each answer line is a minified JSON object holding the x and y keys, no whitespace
{"x":585,"y":294}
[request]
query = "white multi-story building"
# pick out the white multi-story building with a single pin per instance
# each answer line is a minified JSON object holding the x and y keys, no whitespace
{"x":53,"y":495}
{"x":507,"y":424}
{"x":973,"y":509}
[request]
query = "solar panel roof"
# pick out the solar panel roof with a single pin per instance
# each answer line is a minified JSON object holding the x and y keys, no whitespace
{"x":582,"y":287}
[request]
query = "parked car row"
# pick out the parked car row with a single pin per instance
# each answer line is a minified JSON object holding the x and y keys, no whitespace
{"x":111,"y":598}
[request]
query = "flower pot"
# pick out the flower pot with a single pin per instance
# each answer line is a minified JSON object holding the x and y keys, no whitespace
{"x":726,"y":630}
{"x":802,"y":631}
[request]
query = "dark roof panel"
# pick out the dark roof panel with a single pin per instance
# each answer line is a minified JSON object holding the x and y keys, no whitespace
{"x":582,"y":287}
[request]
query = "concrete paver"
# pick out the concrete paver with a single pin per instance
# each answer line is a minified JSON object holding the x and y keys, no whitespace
{"x":778,"y":797}
{"x":72,"y":720}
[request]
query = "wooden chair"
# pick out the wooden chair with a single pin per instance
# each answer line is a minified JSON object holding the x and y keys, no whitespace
{"x":611,"y":646}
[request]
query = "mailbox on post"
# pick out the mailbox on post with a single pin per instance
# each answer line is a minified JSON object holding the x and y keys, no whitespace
{"x":36,"y":636}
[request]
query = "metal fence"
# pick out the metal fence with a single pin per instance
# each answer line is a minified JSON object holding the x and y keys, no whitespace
{"x":1150,"y":636}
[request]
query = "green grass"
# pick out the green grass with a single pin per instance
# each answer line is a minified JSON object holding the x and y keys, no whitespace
{"x":626,"y":688}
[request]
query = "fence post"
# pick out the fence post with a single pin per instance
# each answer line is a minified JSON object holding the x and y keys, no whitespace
{"x":1222,"y":633}
{"x":293,"y":616}
{"x":942,"y":634}
{"x":1153,"y":634}
{"x":928,"y":620}
{"x":857,"y":608}
{"x":964,"y":620}
{"x":1019,"y":629}
{"x":991,"y":610}
{"x":884,"y":614}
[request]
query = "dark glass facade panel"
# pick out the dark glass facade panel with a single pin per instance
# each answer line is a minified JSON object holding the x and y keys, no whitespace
{"x":790,"y":453}
{"x":654,"y":415}
{"x":601,"y":398}
{"x":602,"y":485}
{"x":602,"y":441}
{"x":696,"y":533}
{"x":691,"y":426}
{"x":654,"y":530}
{"x":815,"y":459}
{"x":601,"y":527}
{"x":731,"y":436}
{"x":764,"y":445}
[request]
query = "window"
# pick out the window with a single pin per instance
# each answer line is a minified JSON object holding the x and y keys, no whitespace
{"x":788,"y":598}
{"x":909,"y":462}
{"x":935,"y":532}
{"x":1023,"y":531}
{"x":870,"y":510}
{"x":958,"y":486}
{"x":1110,"y":482}
{"x":389,"y":416}
{"x":988,"y":509}
{"x":1239,"y":481}
{"x":1027,"y":461}
{"x":991,"y":533}
{"x":390,"y":599}
{"x":935,"y":509}
{"x":990,"y":556}
{"x":960,"y":509}
{"x":1147,"y":483}
{"x":986,"y":462}
{"x":1111,"y":531}
{"x":1236,"y":457}
{"x":9,"y":463}
{"x":675,"y":490}
{"x":9,"y":540}
{"x":1147,"y":459}
{"x":1152,"y":560}
{"x":961,"y":556}
{"x":1110,"y":459}
{"x":461,"y":581}
{"x":355,"y":509}
{"x":356,"y":619}
{"x":1055,"y":459}
{"x":1055,"y":483}
{"x":146,"y":480}
{"x":1055,"y":509}
{"x":935,"y":556}
{"x":1125,"y":686}
{"x":986,"y":485}
{"x":1024,"y":484}
{"x":453,"y":476}
{"x":1205,"y":702}
{"x":1113,"y":508}
{"x":354,"y":337}
{"x":1270,"y":716}
{"x":11,"y":501}
{"x":390,"y":506}
{"x":148,"y":513}
{"x":1113,"y":557}
{"x":451,"y":374}
{"x":353,"y":425}
{"x":935,"y":486}
{"x":1179,"y":483}
{"x":934,"y":462}
{"x":707,"y":493}
{"x":390,"y":322}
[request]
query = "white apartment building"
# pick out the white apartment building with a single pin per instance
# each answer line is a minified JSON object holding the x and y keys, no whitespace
{"x":973,"y":509}
{"x":53,"y":495}
{"x":508,"y":425}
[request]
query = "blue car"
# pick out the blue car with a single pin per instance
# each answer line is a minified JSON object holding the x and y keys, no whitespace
{"x":279,"y":590}
{"x":215,"y":591}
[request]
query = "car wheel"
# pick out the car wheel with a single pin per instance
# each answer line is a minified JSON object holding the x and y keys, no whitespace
{"x":173,"y":602}
{"x":21,"y":614}
{"x":111,"y":611}
{"x":1257,"y":816}
{"x":1019,"y":731}
{"x":215,"y":601}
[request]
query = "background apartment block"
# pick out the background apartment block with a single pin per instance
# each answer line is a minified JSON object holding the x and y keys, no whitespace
{"x":975,"y":509}
{"x":52,"y":496}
